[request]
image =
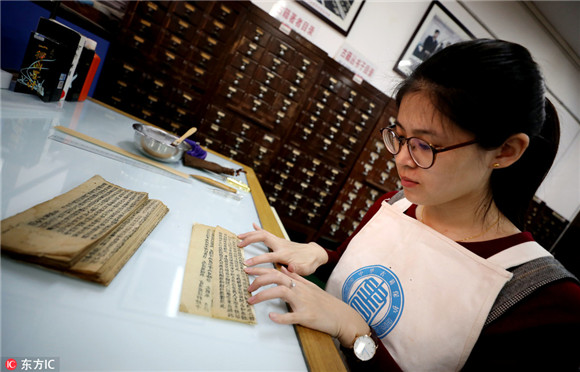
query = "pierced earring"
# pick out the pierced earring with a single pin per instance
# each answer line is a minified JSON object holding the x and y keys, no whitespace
{"x":496,"y":165}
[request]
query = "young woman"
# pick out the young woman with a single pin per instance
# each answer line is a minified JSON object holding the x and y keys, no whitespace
{"x":440,"y":277}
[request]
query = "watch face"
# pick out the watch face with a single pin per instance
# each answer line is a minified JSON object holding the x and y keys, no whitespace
{"x":364,"y":347}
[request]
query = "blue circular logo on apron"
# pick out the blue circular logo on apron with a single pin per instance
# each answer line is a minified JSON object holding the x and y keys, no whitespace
{"x":376,"y":293}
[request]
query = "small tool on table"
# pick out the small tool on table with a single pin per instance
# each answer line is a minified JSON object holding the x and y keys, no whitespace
{"x":214,"y":183}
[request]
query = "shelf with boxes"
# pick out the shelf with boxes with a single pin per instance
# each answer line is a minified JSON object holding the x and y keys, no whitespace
{"x":166,"y":58}
{"x":261,"y":96}
{"x":259,"y":93}
{"x":373,"y":174}
{"x":544,"y":223}
{"x":334,"y":124}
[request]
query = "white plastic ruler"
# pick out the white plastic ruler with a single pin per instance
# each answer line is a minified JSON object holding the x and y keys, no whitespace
{"x":87,"y":146}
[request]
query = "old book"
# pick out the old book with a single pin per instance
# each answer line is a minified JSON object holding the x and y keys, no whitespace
{"x":214,"y":283}
{"x":89,"y":232}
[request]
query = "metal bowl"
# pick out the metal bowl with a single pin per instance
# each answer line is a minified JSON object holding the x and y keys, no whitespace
{"x":156,"y":143}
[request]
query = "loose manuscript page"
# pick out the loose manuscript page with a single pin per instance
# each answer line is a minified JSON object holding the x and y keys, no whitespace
{"x":215,"y":283}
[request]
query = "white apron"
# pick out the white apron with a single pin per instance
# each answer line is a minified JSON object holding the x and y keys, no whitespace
{"x":426,"y":296}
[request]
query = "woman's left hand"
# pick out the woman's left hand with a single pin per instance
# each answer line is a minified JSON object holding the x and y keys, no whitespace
{"x":311,"y":306}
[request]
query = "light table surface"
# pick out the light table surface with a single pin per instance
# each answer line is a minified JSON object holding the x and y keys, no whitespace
{"x":134,"y":323}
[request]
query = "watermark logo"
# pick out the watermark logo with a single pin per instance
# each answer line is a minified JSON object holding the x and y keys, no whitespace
{"x":32,"y":364}
{"x":11,"y":364}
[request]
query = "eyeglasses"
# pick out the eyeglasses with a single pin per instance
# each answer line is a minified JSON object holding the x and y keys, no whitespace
{"x":422,"y":152}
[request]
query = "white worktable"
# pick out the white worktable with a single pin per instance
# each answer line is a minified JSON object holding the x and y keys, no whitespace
{"x":134,"y":323}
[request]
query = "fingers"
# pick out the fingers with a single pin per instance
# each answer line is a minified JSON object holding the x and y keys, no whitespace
{"x":252,"y":237}
{"x":263,"y":258}
{"x":279,"y":291}
{"x":288,"y":318}
{"x":258,"y":270}
{"x":265,"y":276}
{"x":293,"y":275}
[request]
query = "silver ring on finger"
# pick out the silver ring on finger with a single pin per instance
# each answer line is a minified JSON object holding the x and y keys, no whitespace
{"x":292,"y":284}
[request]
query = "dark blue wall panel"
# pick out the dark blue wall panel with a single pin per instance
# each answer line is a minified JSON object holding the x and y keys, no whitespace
{"x":18,"y":19}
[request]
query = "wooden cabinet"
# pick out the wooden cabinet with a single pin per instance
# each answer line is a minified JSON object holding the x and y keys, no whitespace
{"x":263,"y":97}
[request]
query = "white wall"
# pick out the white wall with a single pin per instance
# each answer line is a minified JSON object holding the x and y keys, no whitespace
{"x":383,"y":28}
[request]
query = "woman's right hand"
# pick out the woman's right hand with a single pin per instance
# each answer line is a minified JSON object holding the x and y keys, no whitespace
{"x":302,"y":259}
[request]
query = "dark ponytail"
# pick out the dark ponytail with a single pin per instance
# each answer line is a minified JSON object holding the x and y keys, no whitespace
{"x":514,"y":187}
{"x":494,"y":89}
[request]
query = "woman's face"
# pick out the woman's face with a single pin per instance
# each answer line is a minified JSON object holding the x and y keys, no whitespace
{"x":459,"y":175}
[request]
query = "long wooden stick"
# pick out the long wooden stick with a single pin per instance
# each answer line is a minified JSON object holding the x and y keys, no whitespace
{"x":119,"y":150}
{"x":214,"y":183}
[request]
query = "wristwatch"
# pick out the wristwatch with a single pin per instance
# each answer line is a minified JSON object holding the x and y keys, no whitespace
{"x":365,"y":347}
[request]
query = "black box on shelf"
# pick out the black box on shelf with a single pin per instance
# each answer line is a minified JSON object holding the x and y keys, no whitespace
{"x":44,"y":68}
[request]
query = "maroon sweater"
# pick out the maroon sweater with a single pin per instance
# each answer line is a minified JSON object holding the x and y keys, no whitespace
{"x":540,"y":333}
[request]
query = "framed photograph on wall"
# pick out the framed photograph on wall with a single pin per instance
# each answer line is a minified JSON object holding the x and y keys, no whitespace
{"x":437,"y":29}
{"x":338,"y":14}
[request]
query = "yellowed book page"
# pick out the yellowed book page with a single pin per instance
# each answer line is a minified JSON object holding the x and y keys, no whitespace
{"x":197,"y":279}
{"x":230,"y":287}
{"x":110,"y":254}
{"x":65,"y":226}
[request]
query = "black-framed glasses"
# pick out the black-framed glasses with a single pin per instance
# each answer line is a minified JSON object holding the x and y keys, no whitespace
{"x":422,"y":152}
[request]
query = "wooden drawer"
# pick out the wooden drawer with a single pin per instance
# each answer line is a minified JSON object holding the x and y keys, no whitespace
{"x":331,"y":83}
{"x":218,"y":115}
{"x":201,"y":58}
{"x":181,"y":115}
{"x":169,"y":59}
{"x":153,"y":11}
{"x":321,"y":111}
{"x":285,"y":105}
{"x":231,"y":93}
{"x":267,"y":77}
{"x":224,"y":13}
{"x":125,"y":70}
{"x":188,"y":11}
{"x":267,"y":140}
{"x":274,"y":64}
{"x":209,"y":44}
{"x":147,"y":29}
{"x":197,"y":76}
{"x":256,"y":107}
{"x":256,"y":34}
{"x":281,"y":49}
{"x":297,"y":77}
{"x":244,"y":64}
{"x":136,"y":44}
{"x":159,"y":85}
{"x":249,"y":49}
{"x":174,"y":44}
{"x":186,"y":99}
{"x":305,"y":64}
{"x":181,"y":28}
{"x":243,"y":127}
{"x":236,"y":78}
{"x":216,"y":29}
{"x":291,"y":91}
{"x":261,"y":91}
{"x":262,"y":154}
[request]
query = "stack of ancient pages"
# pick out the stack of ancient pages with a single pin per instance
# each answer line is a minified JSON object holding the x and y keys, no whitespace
{"x":90,"y":232}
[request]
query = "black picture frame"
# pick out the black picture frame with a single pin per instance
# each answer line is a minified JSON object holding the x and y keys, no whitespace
{"x":334,"y":13}
{"x":423,"y":43}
